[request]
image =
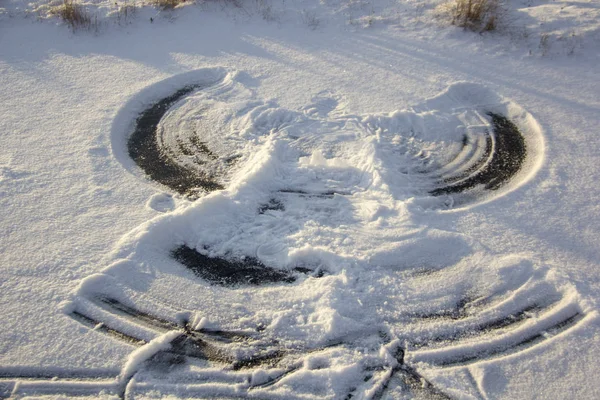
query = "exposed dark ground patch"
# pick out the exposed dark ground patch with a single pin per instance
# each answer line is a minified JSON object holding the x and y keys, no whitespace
{"x":219,"y":271}
{"x":489,"y":148}
{"x":55,"y":373}
{"x":144,"y":150}
{"x":114,"y":306}
{"x":410,"y":381}
{"x":223,"y":272}
{"x":511,"y":320}
{"x":272,"y":205}
{"x":100,"y":327}
{"x":459,"y":311}
{"x":526,"y":342}
{"x":507,"y":158}
{"x":504,"y":154}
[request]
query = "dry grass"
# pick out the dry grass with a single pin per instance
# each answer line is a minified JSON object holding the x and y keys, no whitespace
{"x":167,"y":4}
{"x":73,"y":14}
{"x":476,"y":15}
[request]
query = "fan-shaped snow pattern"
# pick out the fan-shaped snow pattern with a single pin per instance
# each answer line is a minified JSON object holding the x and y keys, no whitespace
{"x":314,"y":272}
{"x":357,"y":334}
{"x":464,"y":140}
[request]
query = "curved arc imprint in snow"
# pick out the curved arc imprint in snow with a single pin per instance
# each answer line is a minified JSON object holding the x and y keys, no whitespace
{"x":503,"y":113}
{"x":502,"y":144}
{"x":126,"y":119}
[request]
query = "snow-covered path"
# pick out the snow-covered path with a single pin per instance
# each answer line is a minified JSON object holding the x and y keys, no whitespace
{"x":67,"y":201}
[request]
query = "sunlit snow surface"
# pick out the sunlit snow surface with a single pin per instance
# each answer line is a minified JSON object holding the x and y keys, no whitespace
{"x":360,"y":298}
{"x":374,"y":302}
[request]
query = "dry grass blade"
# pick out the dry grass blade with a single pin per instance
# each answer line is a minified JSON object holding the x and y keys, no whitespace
{"x":167,"y":4}
{"x":476,"y":15}
{"x":73,"y":14}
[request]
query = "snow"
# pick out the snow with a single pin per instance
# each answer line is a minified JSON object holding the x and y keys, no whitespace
{"x":336,"y":114}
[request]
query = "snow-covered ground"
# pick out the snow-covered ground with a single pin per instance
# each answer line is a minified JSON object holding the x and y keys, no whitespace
{"x":336,"y":130}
